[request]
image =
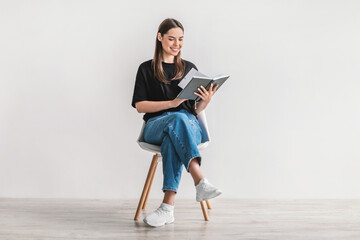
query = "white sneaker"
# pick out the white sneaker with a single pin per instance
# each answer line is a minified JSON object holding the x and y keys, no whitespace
{"x":206,"y":191}
{"x":163,"y":215}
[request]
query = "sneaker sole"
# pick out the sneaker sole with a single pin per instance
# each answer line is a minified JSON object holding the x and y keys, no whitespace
{"x":171,"y":220}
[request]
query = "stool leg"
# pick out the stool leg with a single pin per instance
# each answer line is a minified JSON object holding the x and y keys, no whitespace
{"x":208,"y":204}
{"x":146,"y":187}
{"x":151,"y":181}
{"x":206,"y":217}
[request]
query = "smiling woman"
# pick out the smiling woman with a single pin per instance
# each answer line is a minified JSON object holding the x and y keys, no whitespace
{"x":171,"y":122}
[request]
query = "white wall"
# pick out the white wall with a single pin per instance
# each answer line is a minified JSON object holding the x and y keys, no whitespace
{"x":285,"y":125}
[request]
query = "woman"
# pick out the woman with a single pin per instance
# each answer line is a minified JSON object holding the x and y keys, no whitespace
{"x":171,"y":122}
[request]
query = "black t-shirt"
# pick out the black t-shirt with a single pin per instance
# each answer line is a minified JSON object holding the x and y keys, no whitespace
{"x":149,"y":88}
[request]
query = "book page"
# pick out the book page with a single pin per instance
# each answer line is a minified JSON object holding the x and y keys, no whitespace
{"x":193,"y":72}
{"x":220,"y":76}
{"x":220,"y":81}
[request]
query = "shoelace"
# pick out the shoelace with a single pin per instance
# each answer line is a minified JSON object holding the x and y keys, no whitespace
{"x":160,"y":211}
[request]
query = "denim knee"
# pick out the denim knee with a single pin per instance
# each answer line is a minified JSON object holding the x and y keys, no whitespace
{"x":178,"y":117}
{"x":185,"y":135}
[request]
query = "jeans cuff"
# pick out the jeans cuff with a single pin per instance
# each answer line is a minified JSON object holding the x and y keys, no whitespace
{"x":169,"y":189}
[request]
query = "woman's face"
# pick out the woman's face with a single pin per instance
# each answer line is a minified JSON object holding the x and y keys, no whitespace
{"x":172,"y":41}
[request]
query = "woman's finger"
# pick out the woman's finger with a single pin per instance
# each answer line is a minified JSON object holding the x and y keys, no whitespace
{"x":205,"y":91}
{"x":211,"y":88}
{"x":215,"y":87}
{"x":199,"y":95}
{"x":201,"y":91}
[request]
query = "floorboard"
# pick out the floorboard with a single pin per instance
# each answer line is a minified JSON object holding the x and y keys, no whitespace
{"x":31,"y":219}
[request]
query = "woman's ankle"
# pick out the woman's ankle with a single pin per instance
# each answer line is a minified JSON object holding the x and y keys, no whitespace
{"x":169,"y":197}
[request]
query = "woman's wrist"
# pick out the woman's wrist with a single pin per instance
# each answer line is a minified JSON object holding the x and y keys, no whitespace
{"x":201,"y":105}
{"x":171,"y":104}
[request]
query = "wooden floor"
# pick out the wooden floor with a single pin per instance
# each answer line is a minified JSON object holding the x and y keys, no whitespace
{"x":229,"y":219}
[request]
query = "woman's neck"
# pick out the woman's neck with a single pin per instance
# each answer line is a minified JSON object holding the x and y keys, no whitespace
{"x":168,"y":58}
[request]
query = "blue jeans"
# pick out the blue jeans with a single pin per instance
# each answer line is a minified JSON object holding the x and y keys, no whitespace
{"x":179,"y":134}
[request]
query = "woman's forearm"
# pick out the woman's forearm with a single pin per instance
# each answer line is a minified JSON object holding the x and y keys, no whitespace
{"x":153,"y":106}
{"x":156,"y":106}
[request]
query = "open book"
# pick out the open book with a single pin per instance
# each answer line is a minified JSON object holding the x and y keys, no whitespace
{"x":194,"y":80}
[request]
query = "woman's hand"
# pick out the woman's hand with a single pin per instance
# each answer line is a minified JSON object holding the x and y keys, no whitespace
{"x":206,"y":95}
{"x":176,"y":102}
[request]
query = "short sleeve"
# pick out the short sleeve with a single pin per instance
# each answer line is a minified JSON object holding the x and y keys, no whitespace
{"x":140,"y":92}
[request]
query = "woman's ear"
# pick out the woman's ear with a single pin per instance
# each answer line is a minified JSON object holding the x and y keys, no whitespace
{"x":159,"y":37}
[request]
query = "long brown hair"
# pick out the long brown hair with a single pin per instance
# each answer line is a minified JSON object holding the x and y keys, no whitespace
{"x":164,"y":27}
